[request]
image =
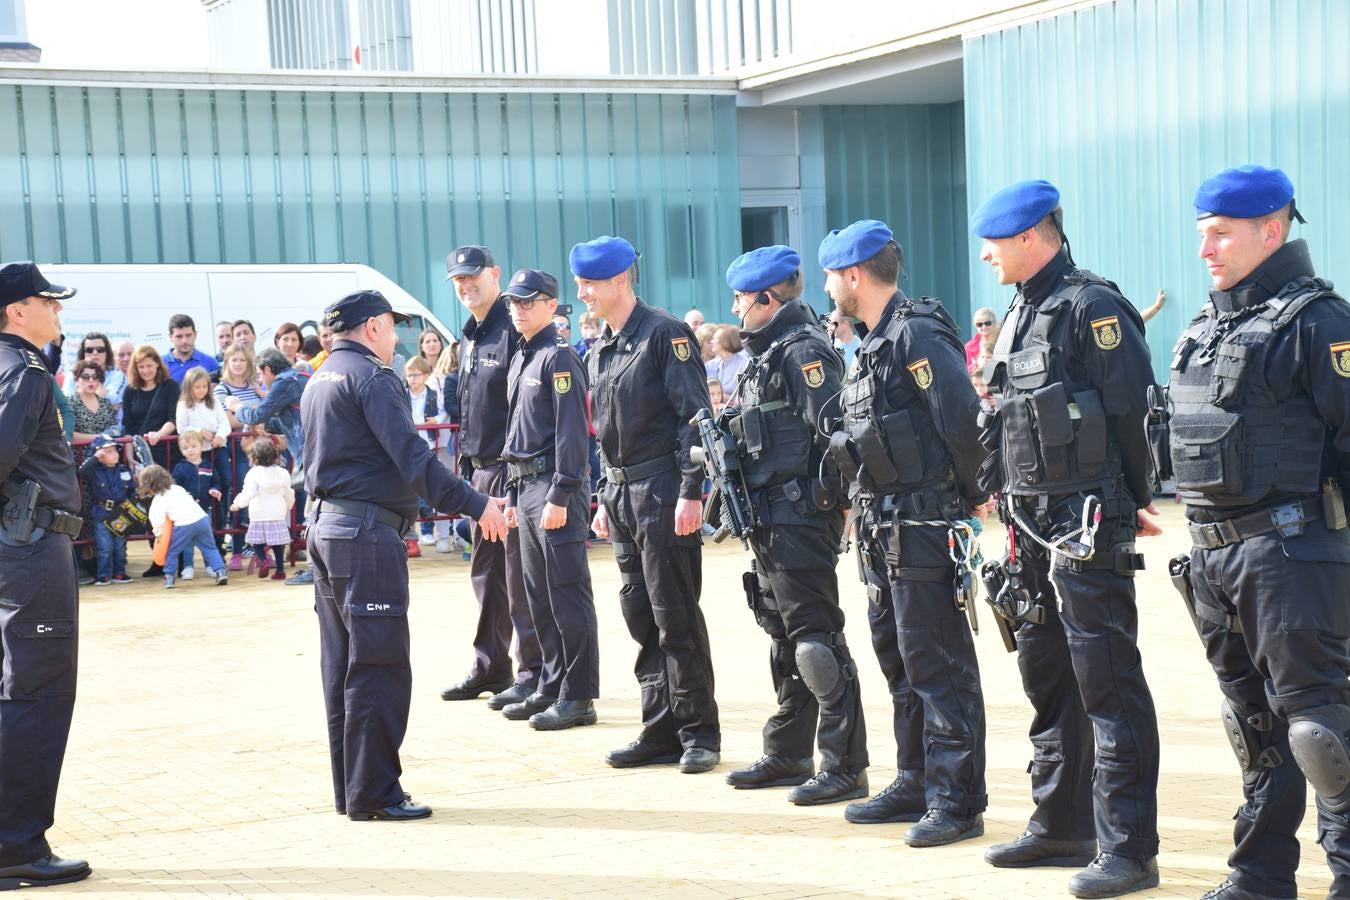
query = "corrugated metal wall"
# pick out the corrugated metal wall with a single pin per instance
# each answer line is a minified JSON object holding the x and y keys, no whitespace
{"x":906,"y":166}
{"x":1128,"y":106}
{"x":392,"y":180}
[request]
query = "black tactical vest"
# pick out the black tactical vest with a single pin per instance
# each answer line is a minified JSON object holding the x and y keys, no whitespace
{"x":1232,"y":442}
{"x":886,"y":442}
{"x":776,"y":444}
{"x":1054,"y":438}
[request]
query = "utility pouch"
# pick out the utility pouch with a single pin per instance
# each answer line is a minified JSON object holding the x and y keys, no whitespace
{"x":1020,"y":459}
{"x":876,"y":459}
{"x":903,"y":444}
{"x":1054,"y":430}
{"x":1206,"y":453}
{"x":752,"y":435}
{"x":1333,"y":505}
{"x":844,"y":454}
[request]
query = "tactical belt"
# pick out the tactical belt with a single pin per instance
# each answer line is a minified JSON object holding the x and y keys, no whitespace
{"x":639,"y":471}
{"x":916,"y":504}
{"x":484,"y":462}
{"x":1213,"y":535}
{"x":525,"y":468}
{"x":50,"y":519}
{"x":360,"y":509}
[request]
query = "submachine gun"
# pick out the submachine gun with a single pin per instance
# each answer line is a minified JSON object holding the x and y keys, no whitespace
{"x":728,"y":502}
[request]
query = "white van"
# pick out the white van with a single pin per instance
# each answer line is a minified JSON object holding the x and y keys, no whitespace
{"x":134,"y":302}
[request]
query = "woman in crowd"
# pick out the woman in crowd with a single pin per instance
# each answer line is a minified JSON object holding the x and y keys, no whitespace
{"x":986,"y":328}
{"x":446,"y":374}
{"x":94,"y":412}
{"x":729,"y":360}
{"x":238,"y":378}
{"x":150,"y":401}
{"x":288,"y":340}
{"x":96,"y":348}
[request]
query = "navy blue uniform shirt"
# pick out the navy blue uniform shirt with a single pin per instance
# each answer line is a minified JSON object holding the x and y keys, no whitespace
{"x":361,"y":444}
{"x":547,"y":391}
{"x":647,"y":382}
{"x":32,"y":443}
{"x":484,"y":356}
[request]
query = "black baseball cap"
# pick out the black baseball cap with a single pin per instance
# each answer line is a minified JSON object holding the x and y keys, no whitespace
{"x":19,"y":280}
{"x":467,"y":260}
{"x":530,"y":283}
{"x":354,"y":309}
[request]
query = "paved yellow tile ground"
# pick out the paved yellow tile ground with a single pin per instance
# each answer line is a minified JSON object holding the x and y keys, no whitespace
{"x":198,"y":763}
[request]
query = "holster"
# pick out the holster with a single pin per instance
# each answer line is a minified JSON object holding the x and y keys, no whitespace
{"x":1179,"y":570}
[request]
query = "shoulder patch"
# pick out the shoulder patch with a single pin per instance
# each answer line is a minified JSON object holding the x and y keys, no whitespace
{"x":922,"y":372}
{"x":562,"y":382}
{"x":814,"y":373}
{"x":1340,"y":358}
{"x":34,"y":361}
{"x":681,"y":347}
{"x":1106,"y":332}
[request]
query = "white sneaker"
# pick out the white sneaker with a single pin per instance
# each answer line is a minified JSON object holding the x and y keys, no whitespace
{"x":188,"y":573}
{"x":443,"y":545}
{"x":427,"y":539}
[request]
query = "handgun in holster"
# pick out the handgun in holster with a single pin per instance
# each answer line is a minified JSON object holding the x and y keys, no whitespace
{"x":1179,"y":570}
{"x":993,"y":576}
{"x":20,"y":510}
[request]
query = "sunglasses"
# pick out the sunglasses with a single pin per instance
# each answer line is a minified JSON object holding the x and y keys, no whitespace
{"x":87,"y":376}
{"x":89,"y":350}
{"x":522,"y":302}
{"x":984,"y":324}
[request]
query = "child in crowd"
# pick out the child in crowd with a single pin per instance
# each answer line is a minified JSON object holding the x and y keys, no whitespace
{"x":191,"y":527}
{"x":267,"y":493}
{"x":200,"y":477}
{"x":107,"y":482}
{"x":427,"y":409}
{"x":589,"y":326}
{"x":719,"y":398}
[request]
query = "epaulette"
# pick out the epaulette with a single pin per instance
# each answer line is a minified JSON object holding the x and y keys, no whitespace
{"x":34,"y":361}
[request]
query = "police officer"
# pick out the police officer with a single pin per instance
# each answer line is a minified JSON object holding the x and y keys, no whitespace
{"x":793,"y":375}
{"x":1072,"y":373}
{"x":366,"y":465}
{"x":38,"y":592}
{"x":548,"y":460}
{"x":1260,"y":450}
{"x":908,"y":443}
{"x":647,"y":382}
{"x":485,"y":353}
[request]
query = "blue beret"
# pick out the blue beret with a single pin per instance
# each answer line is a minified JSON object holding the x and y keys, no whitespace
{"x":1243,"y":193}
{"x":761,"y":269}
{"x":602,"y":258}
{"x":857,"y":243}
{"x":1014,"y":209}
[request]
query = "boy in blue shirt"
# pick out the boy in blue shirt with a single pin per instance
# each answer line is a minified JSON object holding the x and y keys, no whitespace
{"x":108,"y":482}
{"x":197,"y":475}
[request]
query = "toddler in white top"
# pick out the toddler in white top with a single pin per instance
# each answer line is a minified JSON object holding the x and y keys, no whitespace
{"x":191,"y":526}
{"x":268,"y":494}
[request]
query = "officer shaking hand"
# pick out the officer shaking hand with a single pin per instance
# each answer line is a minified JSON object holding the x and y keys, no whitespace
{"x":366,"y":464}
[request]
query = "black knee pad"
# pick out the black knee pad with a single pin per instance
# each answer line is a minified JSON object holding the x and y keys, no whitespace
{"x":1318,"y":739}
{"x":822,"y":666}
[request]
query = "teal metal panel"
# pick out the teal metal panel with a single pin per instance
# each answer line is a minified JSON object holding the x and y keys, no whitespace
{"x":1128,"y":106}
{"x":904,"y":165}
{"x":392,"y":180}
